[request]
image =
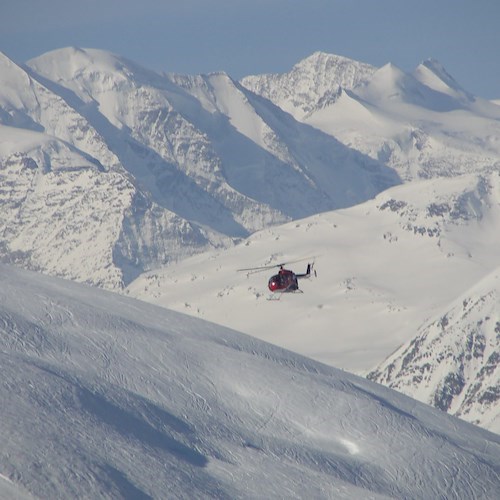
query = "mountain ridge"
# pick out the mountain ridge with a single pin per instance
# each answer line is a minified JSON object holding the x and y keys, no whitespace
{"x":465,"y":381}
{"x":193,"y":179}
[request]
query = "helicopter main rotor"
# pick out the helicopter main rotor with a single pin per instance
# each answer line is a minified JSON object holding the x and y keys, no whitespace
{"x":251,"y":270}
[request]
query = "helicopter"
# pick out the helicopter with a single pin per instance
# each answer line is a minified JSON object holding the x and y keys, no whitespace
{"x":285,"y":281}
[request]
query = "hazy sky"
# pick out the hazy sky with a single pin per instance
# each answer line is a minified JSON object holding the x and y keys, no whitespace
{"x":245,"y":37}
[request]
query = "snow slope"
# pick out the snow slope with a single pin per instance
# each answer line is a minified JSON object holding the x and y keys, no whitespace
{"x":108,"y":397}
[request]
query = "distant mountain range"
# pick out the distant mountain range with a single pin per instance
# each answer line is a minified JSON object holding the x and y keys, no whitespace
{"x":423,"y":124}
{"x":109,"y":171}
{"x":135,"y":169}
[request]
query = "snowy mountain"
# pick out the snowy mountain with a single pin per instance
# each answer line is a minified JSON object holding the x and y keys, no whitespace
{"x":110,"y":171}
{"x":311,"y":84}
{"x":69,"y":207}
{"x":163,"y":166}
{"x":423,"y":124}
{"x":108,"y":397}
{"x":453,"y":363}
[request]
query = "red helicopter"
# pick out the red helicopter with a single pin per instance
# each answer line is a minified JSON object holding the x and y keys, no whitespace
{"x":285,"y":281}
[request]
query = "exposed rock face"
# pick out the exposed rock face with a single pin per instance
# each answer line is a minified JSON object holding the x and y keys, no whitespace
{"x":453,"y":363}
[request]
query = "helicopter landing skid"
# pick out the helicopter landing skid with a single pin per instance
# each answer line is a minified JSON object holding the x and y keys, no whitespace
{"x":277,"y":295}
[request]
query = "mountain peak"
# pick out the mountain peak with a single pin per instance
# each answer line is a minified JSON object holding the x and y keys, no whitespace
{"x":77,"y":56}
{"x":310,"y":82}
{"x":338,"y":68}
{"x":325,"y":58}
{"x":391,"y":70}
{"x":434,"y":75}
{"x":426,"y":87}
{"x":388,"y":83}
{"x":438,"y":69}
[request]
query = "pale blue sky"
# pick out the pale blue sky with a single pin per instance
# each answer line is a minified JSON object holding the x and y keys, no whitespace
{"x":245,"y":37}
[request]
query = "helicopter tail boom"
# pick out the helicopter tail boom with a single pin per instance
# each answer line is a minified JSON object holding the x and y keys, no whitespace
{"x":308,"y":272}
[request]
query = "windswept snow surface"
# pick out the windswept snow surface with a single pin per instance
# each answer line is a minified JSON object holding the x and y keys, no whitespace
{"x":106,"y":397}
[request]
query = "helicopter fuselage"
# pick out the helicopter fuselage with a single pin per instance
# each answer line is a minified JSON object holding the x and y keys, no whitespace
{"x":285,"y":281}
